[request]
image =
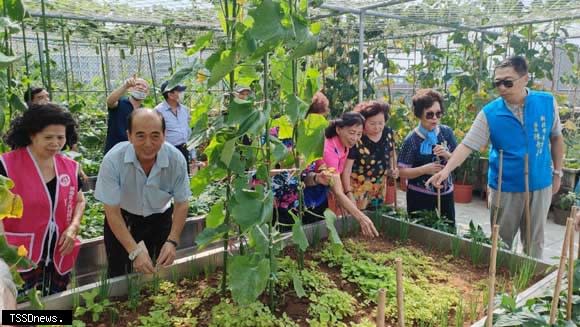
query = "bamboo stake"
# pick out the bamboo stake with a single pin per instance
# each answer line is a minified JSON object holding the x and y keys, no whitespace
{"x":527,"y":204}
{"x":492,"y":264}
{"x":499,"y":182}
{"x":381,"y":308}
{"x":556,"y":295}
{"x":570,"y":272}
{"x":574,"y":213}
{"x":400,"y":293}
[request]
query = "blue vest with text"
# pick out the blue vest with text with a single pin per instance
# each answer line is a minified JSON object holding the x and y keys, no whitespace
{"x":517,"y":139}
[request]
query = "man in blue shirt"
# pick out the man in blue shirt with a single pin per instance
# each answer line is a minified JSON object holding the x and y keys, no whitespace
{"x":176,"y":116}
{"x":520,"y":123}
{"x":137,"y":183}
{"x":120,"y":107}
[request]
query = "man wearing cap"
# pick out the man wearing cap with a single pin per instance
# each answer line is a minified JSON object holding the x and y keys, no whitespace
{"x":243,"y":92}
{"x":120,"y":106}
{"x":176,"y":117}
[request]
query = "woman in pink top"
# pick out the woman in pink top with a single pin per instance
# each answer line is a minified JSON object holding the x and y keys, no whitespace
{"x":342,"y":134}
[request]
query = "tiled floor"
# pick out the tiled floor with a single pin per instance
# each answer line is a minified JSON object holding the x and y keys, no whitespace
{"x":478,"y":212}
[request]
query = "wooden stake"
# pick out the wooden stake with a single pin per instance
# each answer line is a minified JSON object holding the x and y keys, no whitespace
{"x":400,"y":293}
{"x":492,"y":262}
{"x":570,"y":272}
{"x":527,"y":204}
{"x":574,"y":213}
{"x":556,"y":295}
{"x":381,"y":308}
{"x":499,"y":182}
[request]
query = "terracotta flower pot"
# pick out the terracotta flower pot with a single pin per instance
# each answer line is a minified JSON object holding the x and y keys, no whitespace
{"x":462,"y":193}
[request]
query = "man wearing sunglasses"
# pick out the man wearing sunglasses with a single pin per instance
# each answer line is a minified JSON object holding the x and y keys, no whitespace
{"x":521,"y":121}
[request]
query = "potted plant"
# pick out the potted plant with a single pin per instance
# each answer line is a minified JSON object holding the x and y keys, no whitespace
{"x":464,"y":179}
{"x":561,"y":208}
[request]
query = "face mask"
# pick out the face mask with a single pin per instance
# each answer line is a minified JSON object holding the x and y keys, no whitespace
{"x":181,"y":97}
{"x":138,"y":95}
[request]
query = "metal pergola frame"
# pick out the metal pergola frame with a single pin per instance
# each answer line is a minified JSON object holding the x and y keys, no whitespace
{"x":368,"y":10}
{"x":362,"y":12}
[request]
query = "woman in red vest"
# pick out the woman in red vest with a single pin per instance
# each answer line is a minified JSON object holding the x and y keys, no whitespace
{"x":50,"y":187}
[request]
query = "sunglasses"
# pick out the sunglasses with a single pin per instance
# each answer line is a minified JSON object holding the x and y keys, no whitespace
{"x":506,"y":82}
{"x":431,"y":114}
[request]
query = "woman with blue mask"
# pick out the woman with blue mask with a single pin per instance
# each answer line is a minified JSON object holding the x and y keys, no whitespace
{"x":424,"y":152}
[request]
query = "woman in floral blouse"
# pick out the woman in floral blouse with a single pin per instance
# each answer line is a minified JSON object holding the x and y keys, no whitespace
{"x":369,"y":161}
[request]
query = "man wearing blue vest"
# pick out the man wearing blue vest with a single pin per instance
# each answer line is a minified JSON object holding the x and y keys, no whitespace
{"x":521,"y":121}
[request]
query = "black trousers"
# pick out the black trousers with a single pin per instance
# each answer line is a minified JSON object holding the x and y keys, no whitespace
{"x":153,"y":230}
{"x":417,"y":201}
{"x":183,"y":149}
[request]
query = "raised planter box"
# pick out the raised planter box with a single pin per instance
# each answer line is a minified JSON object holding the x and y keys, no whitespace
{"x":213,"y":257}
{"x":92,"y":259}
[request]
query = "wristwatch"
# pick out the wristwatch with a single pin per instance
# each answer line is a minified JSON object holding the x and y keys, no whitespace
{"x":135,"y":252}
{"x":558,"y":172}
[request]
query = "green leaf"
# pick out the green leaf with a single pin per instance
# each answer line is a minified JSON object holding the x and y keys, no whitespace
{"x":216,"y":216}
{"x":228,"y":151}
{"x":179,"y":76}
{"x":248,"y":277}
{"x":330,"y":218}
{"x":209,"y":235}
{"x":205,"y":176}
{"x":268,"y":17}
{"x":14,"y":8}
{"x":6,"y":61}
{"x":298,"y":287}
{"x":278,"y":150}
{"x":226,"y":63}
{"x":258,"y":238}
{"x":202,"y":42}
{"x":34,"y":297}
{"x":298,"y":235}
{"x":254,"y":123}
{"x":525,"y":319}
{"x":17,"y":103}
{"x":315,"y":27}
{"x":311,"y":137}
{"x":199,"y":182}
{"x":252,"y":207}
{"x":296,"y":109}
{"x":239,"y":110}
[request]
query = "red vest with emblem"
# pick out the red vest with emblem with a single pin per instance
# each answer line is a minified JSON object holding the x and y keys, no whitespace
{"x":40,"y":219}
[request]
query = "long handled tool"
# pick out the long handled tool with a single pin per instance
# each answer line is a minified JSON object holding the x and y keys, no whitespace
{"x":492,"y":265}
{"x":556,"y":295}
{"x":498,"y":196}
{"x":570,"y":271}
{"x":527,"y":204}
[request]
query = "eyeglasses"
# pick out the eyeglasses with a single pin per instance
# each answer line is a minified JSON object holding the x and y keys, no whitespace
{"x":431,"y":114}
{"x":506,"y":82}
